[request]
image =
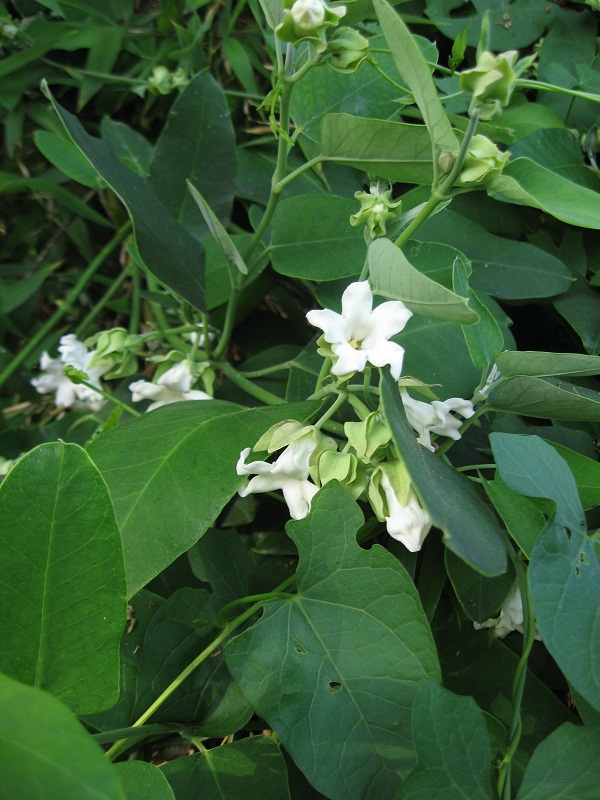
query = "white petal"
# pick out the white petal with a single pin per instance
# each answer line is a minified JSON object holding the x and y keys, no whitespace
{"x":387,"y":353}
{"x":179,"y":378}
{"x":73,"y":352}
{"x":409,"y":524}
{"x":333,"y":325}
{"x":387,"y":320}
{"x":348,"y":359}
{"x":196,"y":394}
{"x":144,"y":390}
{"x":357,"y":304}
{"x":298,"y":496}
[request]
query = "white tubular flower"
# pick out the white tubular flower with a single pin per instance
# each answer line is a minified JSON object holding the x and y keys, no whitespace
{"x":360,"y":333}
{"x":173,"y":386}
{"x":288,"y":473}
{"x":410,"y":523}
{"x":511,"y":617}
{"x":73,"y":353}
{"x":435,"y":417}
{"x":492,"y":378}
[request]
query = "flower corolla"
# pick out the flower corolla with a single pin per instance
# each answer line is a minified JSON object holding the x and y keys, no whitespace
{"x":290,"y":473}
{"x":73,"y":353}
{"x":359,"y":335}
{"x":435,"y":417}
{"x":491,"y":82}
{"x":511,"y":617}
{"x":407,"y":522}
{"x":376,"y":208}
{"x":483,"y":161}
{"x":173,"y":386}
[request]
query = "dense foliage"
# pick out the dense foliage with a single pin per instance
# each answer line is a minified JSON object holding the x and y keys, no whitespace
{"x":338,"y":263}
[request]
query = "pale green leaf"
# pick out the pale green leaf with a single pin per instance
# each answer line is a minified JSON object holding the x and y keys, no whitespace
{"x":547,"y":398}
{"x":537,"y":364}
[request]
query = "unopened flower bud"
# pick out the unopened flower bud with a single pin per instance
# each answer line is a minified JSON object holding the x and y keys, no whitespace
{"x":483,"y":161}
{"x":308,"y":20}
{"x":376,"y":208}
{"x":113,"y":353}
{"x":491,"y":83}
{"x":348,"y":50}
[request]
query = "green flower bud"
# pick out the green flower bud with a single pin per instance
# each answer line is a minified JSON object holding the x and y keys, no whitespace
{"x":376,"y":208}
{"x":369,"y":437}
{"x":113,"y":350}
{"x":342,"y":467}
{"x":491,"y":82}
{"x":483,"y":161}
{"x":164,"y":82}
{"x":348,"y":50}
{"x":308,"y":20}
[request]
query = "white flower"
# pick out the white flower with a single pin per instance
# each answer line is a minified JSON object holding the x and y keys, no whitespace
{"x":428,"y":418}
{"x":492,"y":378}
{"x":173,"y":386}
{"x":511,"y":617}
{"x":308,"y":14}
{"x":409,"y":524}
{"x":288,"y":473}
{"x":70,"y":395}
{"x":360,"y":333}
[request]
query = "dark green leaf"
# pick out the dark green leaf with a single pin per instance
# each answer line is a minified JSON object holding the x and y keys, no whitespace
{"x":171,"y":472}
{"x":469,"y":526}
{"x":46,"y":753}
{"x":523,"y":519}
{"x":141,"y":780}
{"x":453,"y":748}
{"x":197,"y":144}
{"x":531,"y":467}
{"x":501,"y":267}
{"x":222,"y":559}
{"x":134,"y":150}
{"x":252,"y":769}
{"x":479,"y":596}
{"x":63,"y":581}
{"x":564,"y":576}
{"x":335,"y":669}
{"x":547,"y":398}
{"x":208,"y":698}
{"x":485,"y":338}
{"x":167,"y":250}
{"x":68,"y":158}
{"x":564,"y":766}
{"x":546,"y":364}
{"x":586,"y":472}
{"x":312,"y":238}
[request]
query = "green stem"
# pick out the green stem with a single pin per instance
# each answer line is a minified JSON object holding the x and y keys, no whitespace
{"x":294,"y":174}
{"x":259,"y":373}
{"x":464,"y":427}
{"x":111,"y":398}
{"x":160,"y":319}
{"x":34,"y":344}
{"x":439,"y":195}
{"x":283,"y":147}
{"x":277,"y":594}
{"x":378,"y":69}
{"x":228,"y":325}
{"x":514,"y":733}
{"x":247,"y":386}
{"x":362,"y":411}
{"x":339,"y":401}
{"x":134,"y":733}
{"x":104,"y":300}
{"x":136,"y":299}
{"x":193,"y":665}
{"x":323,"y":373}
{"x":548,"y":87}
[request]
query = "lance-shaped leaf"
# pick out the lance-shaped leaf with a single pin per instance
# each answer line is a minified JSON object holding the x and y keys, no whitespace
{"x":171,"y":472}
{"x":455,"y":506}
{"x":46,"y":753}
{"x":532,"y":184}
{"x":564,"y":766}
{"x":62,"y":579}
{"x":166,"y":248}
{"x":538,"y":365}
{"x":394,"y":150}
{"x":393,"y":276}
{"x":219,"y":233}
{"x":453,"y":748}
{"x":564,"y":577}
{"x":547,"y":398}
{"x":335,"y":669}
{"x":417,"y":75}
{"x":196,"y":144}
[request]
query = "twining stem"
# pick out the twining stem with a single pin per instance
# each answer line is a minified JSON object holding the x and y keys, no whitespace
{"x":514,"y":733}
{"x":136,"y":298}
{"x":277,"y":594}
{"x":33,"y":345}
{"x":114,"y":287}
{"x":228,"y":325}
{"x":193,"y":665}
{"x":549,"y":87}
{"x":160,"y":319}
{"x":247,"y":386}
{"x":259,"y":373}
{"x":439,"y":194}
{"x":339,"y":401}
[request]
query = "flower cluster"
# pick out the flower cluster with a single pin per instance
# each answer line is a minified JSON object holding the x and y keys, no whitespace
{"x":67,"y":394}
{"x":366,"y":464}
